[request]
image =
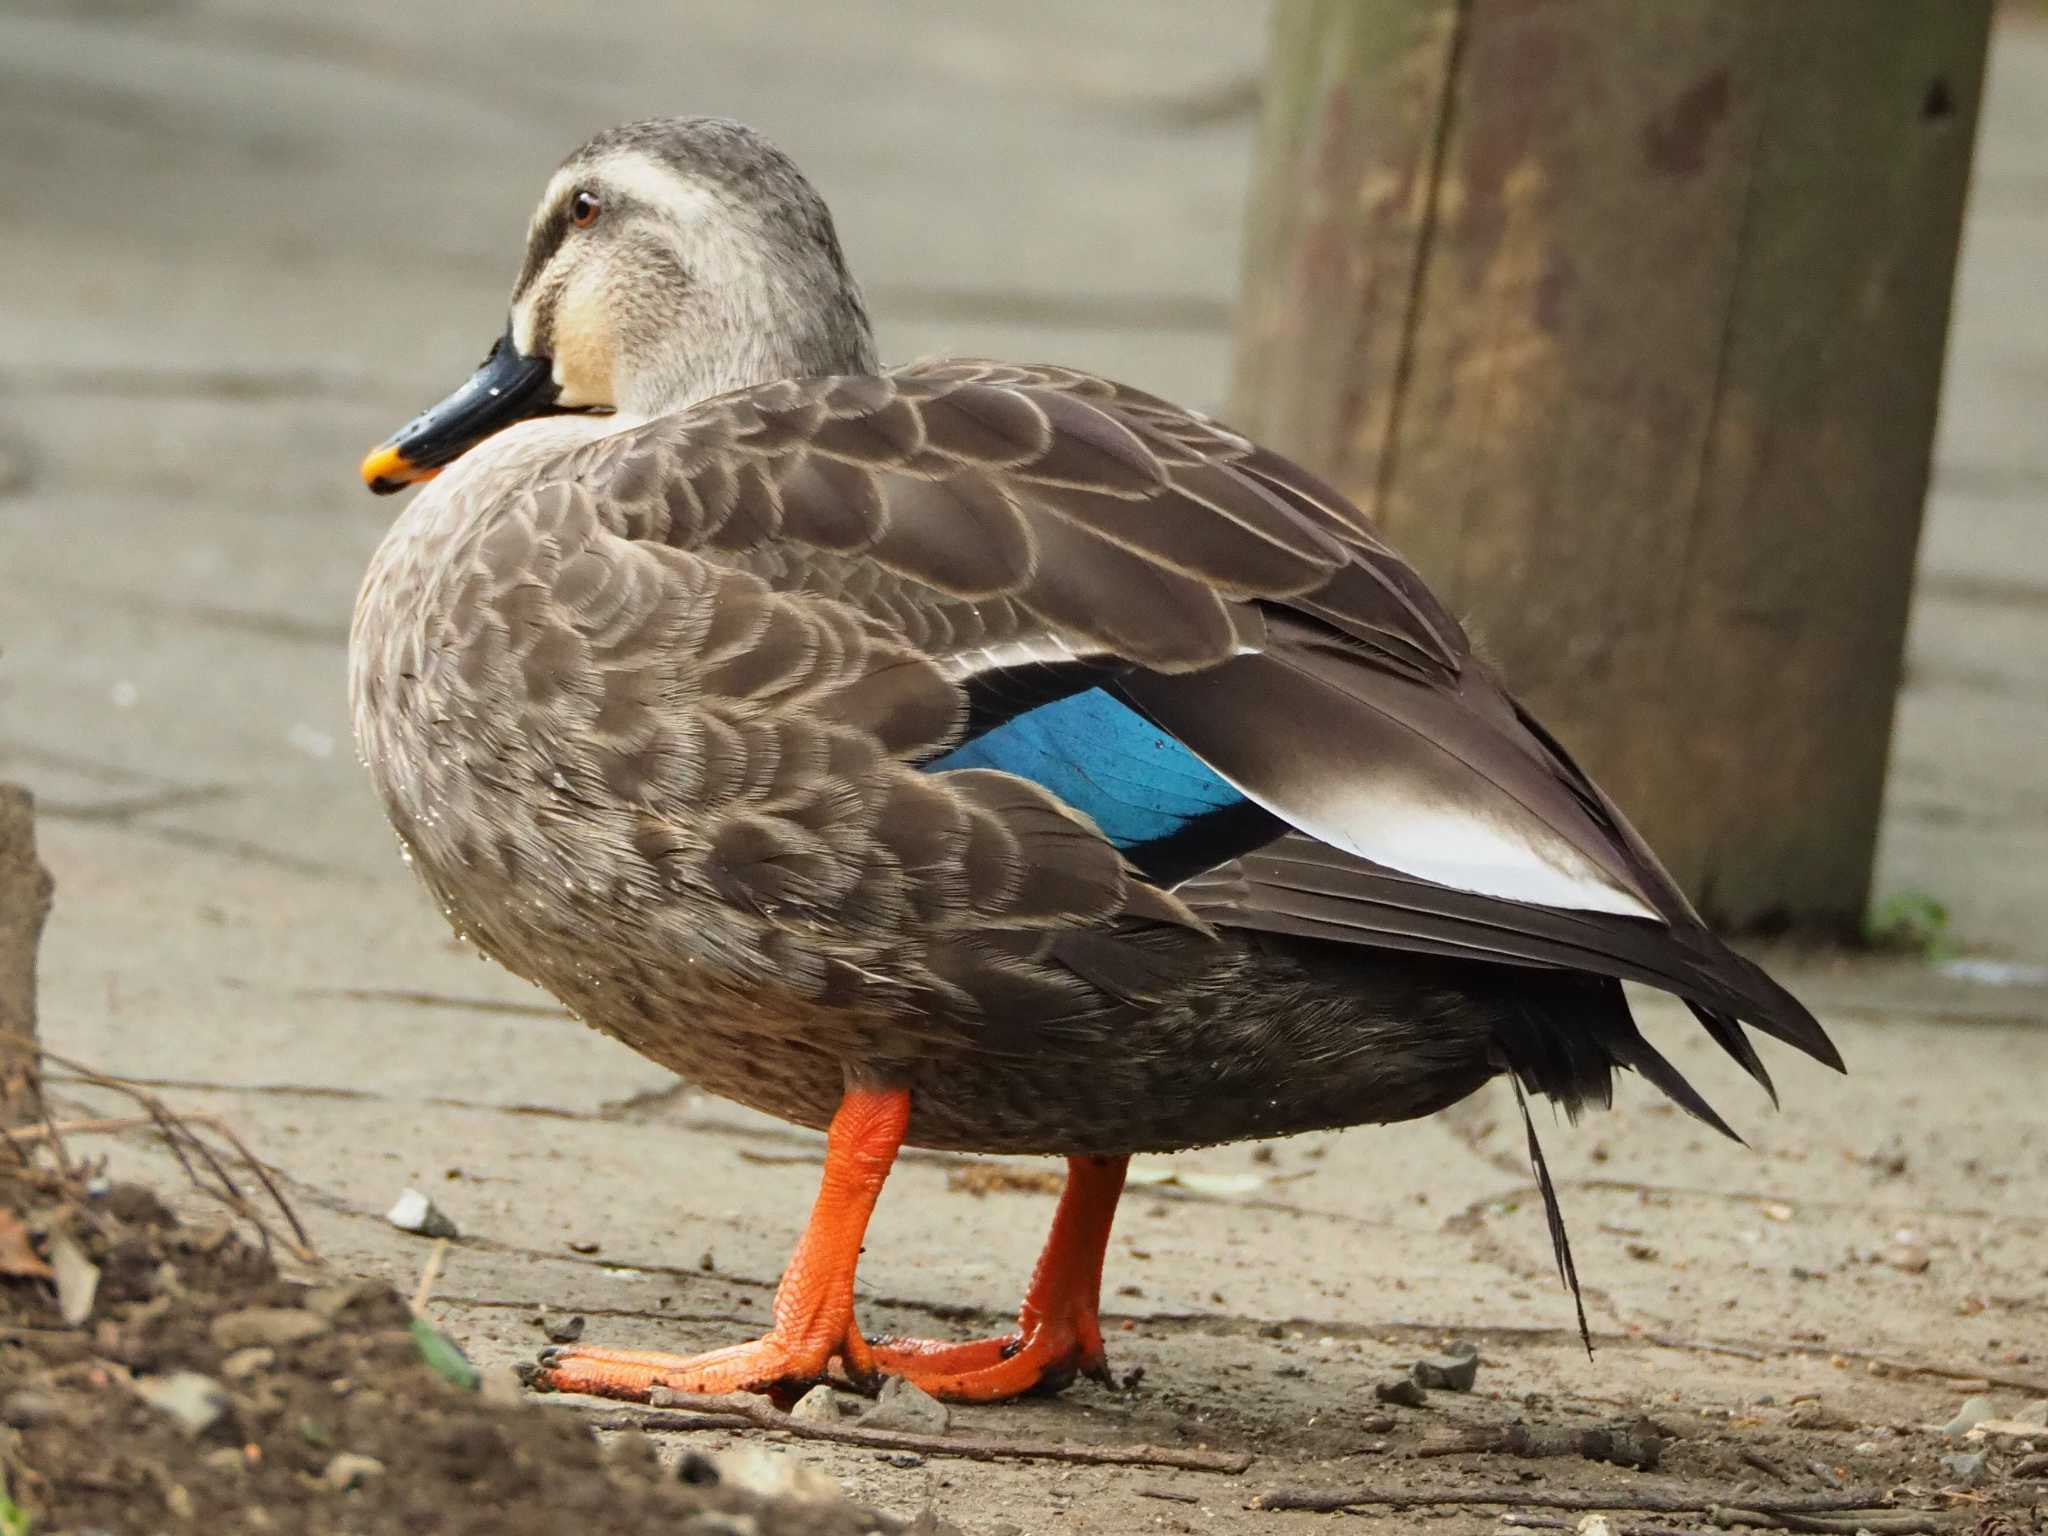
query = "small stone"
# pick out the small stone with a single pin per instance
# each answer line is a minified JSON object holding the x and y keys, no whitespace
{"x":770,"y":1474}
{"x":2035,"y":1415}
{"x":25,"y":1408}
{"x":911,"y":1409}
{"x":274,"y":1326}
{"x":1814,"y":1414}
{"x":903,"y":1461}
{"x":1402,"y":1390}
{"x":226,"y":1458}
{"x":1453,"y":1371}
{"x":1910,"y":1257}
{"x":563,"y":1330}
{"x":1966,"y":1467}
{"x":414,"y":1212}
{"x":1974,"y":1411}
{"x":193,"y":1402}
{"x":1594,"y":1525}
{"x":244,"y":1363}
{"x":1376,"y":1423}
{"x":824,"y":1405}
{"x":348,"y":1470}
{"x":2031,"y":1466}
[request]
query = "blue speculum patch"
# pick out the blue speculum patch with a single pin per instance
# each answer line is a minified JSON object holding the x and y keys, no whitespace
{"x":1152,"y":797}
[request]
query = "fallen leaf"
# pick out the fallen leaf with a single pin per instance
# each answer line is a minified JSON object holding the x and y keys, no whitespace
{"x":16,"y":1256}
{"x":444,"y":1356}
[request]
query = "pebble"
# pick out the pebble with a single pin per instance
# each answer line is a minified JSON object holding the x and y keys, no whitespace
{"x":563,"y":1330}
{"x":273,"y":1326}
{"x":824,"y":1405}
{"x":2034,"y":1414}
{"x":348,"y":1470}
{"x":1974,"y":1411}
{"x":1404,"y":1390}
{"x":911,"y":1409}
{"x":2031,"y":1466}
{"x":244,"y":1363}
{"x":193,"y":1402}
{"x":1910,"y":1257}
{"x":1376,"y":1423}
{"x":1966,"y":1467}
{"x":1814,"y":1414}
{"x":771,"y":1474}
{"x":414,"y":1212}
{"x":1453,"y":1371}
{"x":226,"y":1458}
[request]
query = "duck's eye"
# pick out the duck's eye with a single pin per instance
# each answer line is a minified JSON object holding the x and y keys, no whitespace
{"x":583,"y":210}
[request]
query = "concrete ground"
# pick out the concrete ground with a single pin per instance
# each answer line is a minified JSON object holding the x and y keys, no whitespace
{"x":242,"y":241}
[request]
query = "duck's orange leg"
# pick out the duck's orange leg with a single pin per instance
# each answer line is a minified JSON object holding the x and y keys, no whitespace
{"x":1059,"y":1335}
{"x":814,"y":1303}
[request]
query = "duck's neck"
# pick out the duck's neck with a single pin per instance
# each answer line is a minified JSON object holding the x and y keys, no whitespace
{"x":746,"y":346}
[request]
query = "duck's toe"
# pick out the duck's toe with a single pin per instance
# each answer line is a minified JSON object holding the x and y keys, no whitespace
{"x":775,"y":1364}
{"x":1042,"y":1359}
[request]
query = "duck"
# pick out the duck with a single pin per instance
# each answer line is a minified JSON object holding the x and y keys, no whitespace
{"x":965,"y":755}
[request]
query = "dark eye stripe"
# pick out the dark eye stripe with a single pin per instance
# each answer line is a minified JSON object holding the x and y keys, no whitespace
{"x":542,"y":247}
{"x":544,"y":321}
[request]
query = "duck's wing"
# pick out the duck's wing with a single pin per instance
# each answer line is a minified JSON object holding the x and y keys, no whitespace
{"x":1191,"y":641}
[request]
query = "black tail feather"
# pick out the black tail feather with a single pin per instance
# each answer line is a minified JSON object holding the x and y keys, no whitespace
{"x":1728,"y":1034}
{"x":1560,"y":1243}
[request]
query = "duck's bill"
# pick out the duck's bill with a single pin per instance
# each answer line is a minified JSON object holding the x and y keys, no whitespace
{"x":507,"y":387}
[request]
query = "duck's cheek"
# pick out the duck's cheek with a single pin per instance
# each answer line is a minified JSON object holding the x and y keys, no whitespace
{"x":584,"y":352}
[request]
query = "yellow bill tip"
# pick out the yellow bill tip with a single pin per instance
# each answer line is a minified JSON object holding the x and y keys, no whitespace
{"x":386,"y":469}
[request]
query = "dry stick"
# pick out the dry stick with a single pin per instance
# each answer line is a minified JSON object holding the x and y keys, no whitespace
{"x":1641,"y":1501}
{"x":736,"y":1409}
{"x":1878,"y":1525}
{"x":429,"y":1273}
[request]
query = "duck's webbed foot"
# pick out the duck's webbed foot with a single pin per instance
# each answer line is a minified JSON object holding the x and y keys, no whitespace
{"x":1059,"y":1335}
{"x":813,"y":1306}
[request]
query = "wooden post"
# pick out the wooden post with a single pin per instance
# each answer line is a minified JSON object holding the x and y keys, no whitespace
{"x":24,"y":903}
{"x":1626,"y":322}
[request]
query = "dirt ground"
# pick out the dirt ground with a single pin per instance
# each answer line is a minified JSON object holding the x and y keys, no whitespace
{"x":1809,"y":1371}
{"x":258,"y":235}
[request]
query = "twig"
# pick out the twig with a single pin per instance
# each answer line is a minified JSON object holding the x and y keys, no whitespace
{"x":1551,"y":1522}
{"x":429,"y":1273}
{"x":1783,"y":1520}
{"x":726,"y":1412}
{"x":179,"y":1138}
{"x":1168,"y":1495}
{"x":56,"y":1130}
{"x":1622,"y":1444}
{"x":1643,"y":1501}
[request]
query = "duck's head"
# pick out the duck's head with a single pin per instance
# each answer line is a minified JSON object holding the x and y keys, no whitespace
{"x":668,"y":261}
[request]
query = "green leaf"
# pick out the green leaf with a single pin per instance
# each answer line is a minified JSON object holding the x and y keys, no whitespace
{"x":443,"y":1355}
{"x":1910,"y":923}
